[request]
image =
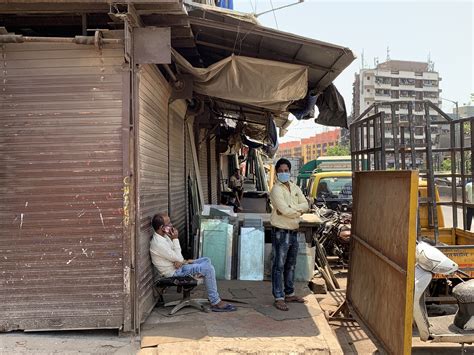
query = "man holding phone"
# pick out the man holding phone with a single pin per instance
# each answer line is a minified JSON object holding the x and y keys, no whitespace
{"x":166,"y":256}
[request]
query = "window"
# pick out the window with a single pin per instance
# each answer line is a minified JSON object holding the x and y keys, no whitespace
{"x":368,"y":90}
{"x":335,"y":187}
{"x":368,"y":78}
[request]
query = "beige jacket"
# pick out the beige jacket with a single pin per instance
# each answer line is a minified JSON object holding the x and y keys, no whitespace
{"x":291,"y":204}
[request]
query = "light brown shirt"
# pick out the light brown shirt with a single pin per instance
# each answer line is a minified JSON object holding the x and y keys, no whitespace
{"x":291,"y":204}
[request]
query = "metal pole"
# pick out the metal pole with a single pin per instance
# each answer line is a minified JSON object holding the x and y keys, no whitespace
{"x":84,"y":24}
{"x":412,"y":136}
{"x":452,"y":133}
{"x":395,"y":131}
{"x":430,"y":176}
{"x":382,"y":141}
{"x":463,"y":174}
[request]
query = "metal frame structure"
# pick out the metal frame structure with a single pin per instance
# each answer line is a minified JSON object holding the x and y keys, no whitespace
{"x":372,"y":147}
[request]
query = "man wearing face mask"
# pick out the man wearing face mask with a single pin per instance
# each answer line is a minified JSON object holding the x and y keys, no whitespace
{"x":288,"y":204}
{"x":165,"y":252}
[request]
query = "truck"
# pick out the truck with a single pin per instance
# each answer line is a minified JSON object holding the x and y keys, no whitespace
{"x":319,"y":165}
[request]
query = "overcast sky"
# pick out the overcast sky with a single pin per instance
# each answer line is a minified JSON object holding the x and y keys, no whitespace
{"x":411,"y":29}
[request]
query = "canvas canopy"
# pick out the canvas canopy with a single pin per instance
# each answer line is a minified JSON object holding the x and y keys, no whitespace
{"x":250,"y":81}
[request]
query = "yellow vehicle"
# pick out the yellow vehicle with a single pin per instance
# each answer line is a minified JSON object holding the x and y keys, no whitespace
{"x":333,"y":188}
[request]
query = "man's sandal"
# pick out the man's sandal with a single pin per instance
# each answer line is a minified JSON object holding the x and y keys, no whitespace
{"x":227,"y":308}
{"x":280,"y":305}
{"x":295,"y":299}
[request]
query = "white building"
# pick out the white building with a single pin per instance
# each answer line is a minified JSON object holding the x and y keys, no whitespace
{"x":396,"y":80}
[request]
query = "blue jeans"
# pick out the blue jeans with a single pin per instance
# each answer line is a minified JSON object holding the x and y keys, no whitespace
{"x":203,"y":267}
{"x":285,"y":251}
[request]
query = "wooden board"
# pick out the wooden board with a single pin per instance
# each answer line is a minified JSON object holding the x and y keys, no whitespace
{"x":381,"y":277}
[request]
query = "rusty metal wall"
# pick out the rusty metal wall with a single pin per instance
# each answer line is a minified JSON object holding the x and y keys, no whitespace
{"x":201,"y":146}
{"x":153,"y":96}
{"x":177,"y":171}
{"x":61,"y":187}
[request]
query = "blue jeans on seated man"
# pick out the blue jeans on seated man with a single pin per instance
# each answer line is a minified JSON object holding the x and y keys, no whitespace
{"x":202,"y":266}
{"x":285,"y":251}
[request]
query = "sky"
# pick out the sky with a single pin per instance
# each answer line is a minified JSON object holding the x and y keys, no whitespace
{"x":412,"y":30}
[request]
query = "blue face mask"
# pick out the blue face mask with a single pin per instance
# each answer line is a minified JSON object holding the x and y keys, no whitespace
{"x":283,"y":177}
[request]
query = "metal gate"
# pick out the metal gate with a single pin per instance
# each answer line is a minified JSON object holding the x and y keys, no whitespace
{"x":153,"y":96}
{"x":61,"y":187}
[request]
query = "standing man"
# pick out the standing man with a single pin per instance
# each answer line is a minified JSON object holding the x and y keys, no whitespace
{"x":469,"y":210}
{"x":166,"y":256}
{"x":288,"y":204}
{"x":237,"y":185}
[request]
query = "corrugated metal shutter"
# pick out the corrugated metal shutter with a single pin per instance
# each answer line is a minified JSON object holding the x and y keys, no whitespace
{"x":177,"y":111}
{"x":202,"y":155}
{"x":61,"y":198}
{"x":214,"y":170}
{"x":153,"y":95}
{"x":190,"y":173}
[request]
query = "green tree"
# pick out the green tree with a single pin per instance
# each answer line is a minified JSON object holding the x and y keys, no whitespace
{"x":446,"y":165}
{"x":337,"y":150}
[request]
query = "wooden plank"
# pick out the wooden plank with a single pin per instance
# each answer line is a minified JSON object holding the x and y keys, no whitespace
{"x":381,"y":277}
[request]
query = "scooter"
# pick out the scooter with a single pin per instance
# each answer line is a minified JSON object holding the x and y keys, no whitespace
{"x":457,"y":328}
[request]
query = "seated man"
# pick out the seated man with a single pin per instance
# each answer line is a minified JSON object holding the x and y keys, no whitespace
{"x":236,"y":183}
{"x":166,"y":257}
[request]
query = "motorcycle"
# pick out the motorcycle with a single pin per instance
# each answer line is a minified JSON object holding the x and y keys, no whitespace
{"x":458,"y":328}
{"x":334,"y":232}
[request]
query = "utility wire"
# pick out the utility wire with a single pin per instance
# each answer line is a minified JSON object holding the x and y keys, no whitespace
{"x":253,"y":7}
{"x":274,"y":15}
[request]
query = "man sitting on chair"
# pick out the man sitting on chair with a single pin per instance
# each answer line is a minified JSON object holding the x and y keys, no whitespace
{"x":166,"y":256}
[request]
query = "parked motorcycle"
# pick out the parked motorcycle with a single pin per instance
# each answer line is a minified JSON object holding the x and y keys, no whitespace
{"x":457,"y":328}
{"x":334,"y":232}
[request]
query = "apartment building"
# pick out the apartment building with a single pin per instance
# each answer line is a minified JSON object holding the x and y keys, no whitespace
{"x":310,"y":148}
{"x":397,"y":80}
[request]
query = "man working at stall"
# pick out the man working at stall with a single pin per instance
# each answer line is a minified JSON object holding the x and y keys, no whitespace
{"x":166,"y":256}
{"x":236,"y":183}
{"x":288,"y":204}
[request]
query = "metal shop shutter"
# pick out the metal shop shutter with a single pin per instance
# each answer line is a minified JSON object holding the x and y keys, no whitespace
{"x":61,"y":187}
{"x":153,"y":95}
{"x":201,"y":146}
{"x":213,"y":171}
{"x":177,"y":172}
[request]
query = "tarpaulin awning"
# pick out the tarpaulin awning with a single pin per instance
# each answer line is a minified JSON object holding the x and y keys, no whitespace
{"x":219,"y":35}
{"x":249,"y":81}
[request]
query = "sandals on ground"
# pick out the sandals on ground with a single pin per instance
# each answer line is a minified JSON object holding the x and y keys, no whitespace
{"x":295,"y":299}
{"x":281,"y":305}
